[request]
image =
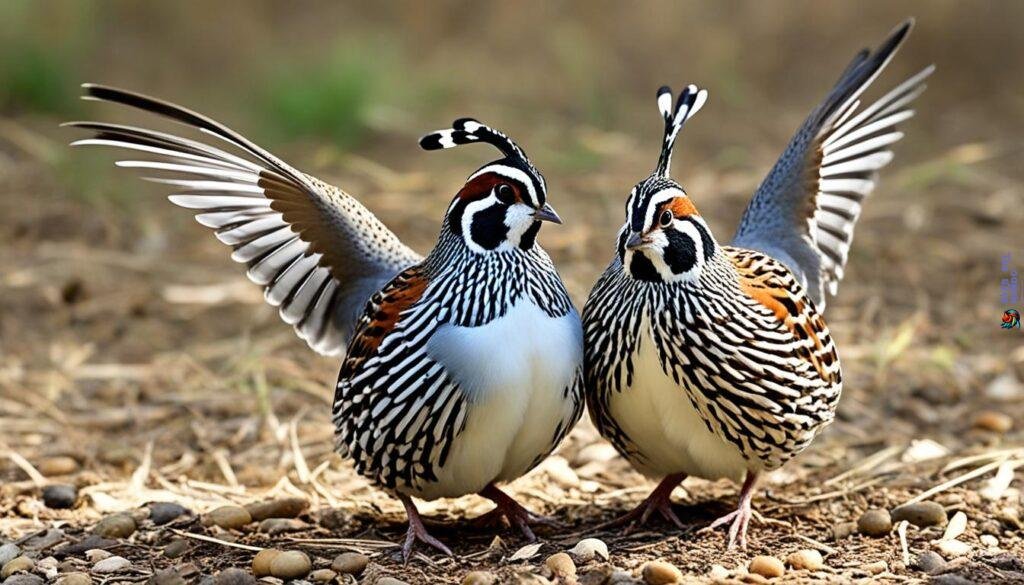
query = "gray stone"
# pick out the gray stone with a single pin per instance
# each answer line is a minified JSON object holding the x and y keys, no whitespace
{"x":60,"y":496}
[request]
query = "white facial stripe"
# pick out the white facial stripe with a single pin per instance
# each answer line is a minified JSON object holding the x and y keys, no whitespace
{"x":514,"y":174}
{"x":518,"y":219}
{"x":659,"y":198}
{"x":467,"y":221}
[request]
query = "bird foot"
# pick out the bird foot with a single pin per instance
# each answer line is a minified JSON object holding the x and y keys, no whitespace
{"x":509,"y":509}
{"x":740,"y":520}
{"x":659,"y":501}
{"x":417,"y":531}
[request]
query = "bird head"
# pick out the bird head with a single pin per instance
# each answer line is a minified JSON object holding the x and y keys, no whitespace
{"x":502,"y":204}
{"x":664,"y":238}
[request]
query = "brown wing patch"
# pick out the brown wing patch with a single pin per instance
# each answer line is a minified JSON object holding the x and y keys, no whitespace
{"x":382,"y":314}
{"x":771,"y":285}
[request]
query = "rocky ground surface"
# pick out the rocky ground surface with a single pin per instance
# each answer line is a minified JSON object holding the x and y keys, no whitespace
{"x":158,"y":424}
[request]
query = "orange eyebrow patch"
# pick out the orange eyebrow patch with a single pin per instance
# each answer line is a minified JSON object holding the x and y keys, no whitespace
{"x":682,"y":207}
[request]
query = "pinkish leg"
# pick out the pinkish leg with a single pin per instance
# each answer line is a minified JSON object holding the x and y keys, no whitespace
{"x":660,"y":501}
{"x":417,"y":531}
{"x":741,"y":517}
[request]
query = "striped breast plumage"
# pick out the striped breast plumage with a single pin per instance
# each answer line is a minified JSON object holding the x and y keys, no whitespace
{"x":463,"y":372}
{"x":730,"y":373}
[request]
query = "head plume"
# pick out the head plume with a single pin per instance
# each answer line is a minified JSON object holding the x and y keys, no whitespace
{"x":689,"y":103}
{"x":470,"y":131}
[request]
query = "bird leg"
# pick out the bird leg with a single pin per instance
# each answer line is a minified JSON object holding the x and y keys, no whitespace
{"x":417,"y":531}
{"x":741,"y":517}
{"x":660,"y":501}
{"x":511,"y":510}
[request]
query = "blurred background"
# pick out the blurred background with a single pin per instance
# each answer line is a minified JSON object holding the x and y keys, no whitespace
{"x":119,"y":313}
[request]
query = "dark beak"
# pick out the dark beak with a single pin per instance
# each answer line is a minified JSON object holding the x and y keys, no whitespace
{"x":635,"y":241}
{"x":546,"y":213}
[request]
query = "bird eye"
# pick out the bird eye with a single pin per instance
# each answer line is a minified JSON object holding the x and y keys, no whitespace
{"x":506,"y":194}
{"x":666,"y":218}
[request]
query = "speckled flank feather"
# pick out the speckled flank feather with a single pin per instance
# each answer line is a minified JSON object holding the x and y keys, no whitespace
{"x":317,"y":252}
{"x":744,"y":346}
{"x":398,"y":408}
{"x":805,"y":211}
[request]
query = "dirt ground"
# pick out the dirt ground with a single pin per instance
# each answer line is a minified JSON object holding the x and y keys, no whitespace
{"x":137,"y":364}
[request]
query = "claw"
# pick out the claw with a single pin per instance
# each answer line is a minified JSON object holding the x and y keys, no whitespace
{"x":739,"y":520}
{"x":511,"y":510}
{"x":659,"y":501}
{"x":417,"y":531}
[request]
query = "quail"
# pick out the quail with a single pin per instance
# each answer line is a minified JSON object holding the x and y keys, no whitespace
{"x":463,"y":369}
{"x":711,"y":360}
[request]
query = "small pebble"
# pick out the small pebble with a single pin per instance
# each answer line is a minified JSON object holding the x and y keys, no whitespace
{"x":930,"y":562}
{"x":261,"y":562}
{"x":588,"y":548}
{"x":390,"y":581}
{"x":558,"y":469}
{"x":350,"y":563}
{"x":176,"y":548}
{"x":60,"y":496}
{"x":290,"y":564}
{"x":950,"y":549}
{"x":620,"y":577}
{"x":15,"y":565}
{"x":24,"y":579}
{"x":166,"y":512}
{"x":95,"y":555}
{"x":75,"y":578}
{"x":921,"y":514}
{"x":562,"y":566}
{"x":57,"y":466}
{"x":766,"y":566}
{"x":171,"y":576}
{"x":989,"y":540}
{"x":89,"y":542}
{"x":229,"y":517}
{"x":875,"y":567}
{"x":991,"y":420}
{"x":283,"y":508}
{"x":48,"y":567}
{"x":479,"y":578}
{"x":992,"y":527}
{"x":322,"y":576}
{"x":601,"y":452}
{"x":111,"y":565}
{"x":116,"y":526}
{"x":275,"y":526}
{"x":807,"y":559}
{"x":718,"y":573}
{"x":234,"y":577}
{"x":660,"y":573}
{"x":875,"y":523}
{"x":8,"y":552}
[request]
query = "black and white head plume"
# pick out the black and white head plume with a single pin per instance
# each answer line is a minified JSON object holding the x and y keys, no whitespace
{"x":664,"y":238}
{"x":502,"y":204}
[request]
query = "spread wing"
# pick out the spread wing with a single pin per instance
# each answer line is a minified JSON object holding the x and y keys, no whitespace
{"x":317,"y":252}
{"x":805,"y":210}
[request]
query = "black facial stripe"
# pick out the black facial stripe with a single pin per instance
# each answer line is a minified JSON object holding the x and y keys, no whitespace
{"x":621,"y":247}
{"x":707,"y":242}
{"x":455,"y":215}
{"x":641,"y":267}
{"x":529,"y":236}
{"x":487,"y":228}
{"x":681,"y":252}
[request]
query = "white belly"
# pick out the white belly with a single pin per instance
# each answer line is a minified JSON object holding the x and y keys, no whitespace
{"x":659,"y":418}
{"x":514,"y":372}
